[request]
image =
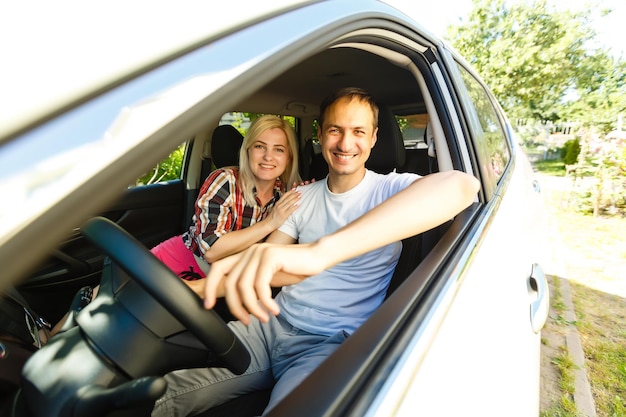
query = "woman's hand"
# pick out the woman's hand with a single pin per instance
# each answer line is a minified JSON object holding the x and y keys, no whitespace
{"x":196,"y":286}
{"x":287,"y":204}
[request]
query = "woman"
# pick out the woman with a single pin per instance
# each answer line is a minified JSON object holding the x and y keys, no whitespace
{"x":238,"y":206}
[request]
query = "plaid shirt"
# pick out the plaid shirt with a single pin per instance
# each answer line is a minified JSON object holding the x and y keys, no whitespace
{"x":221,"y":208}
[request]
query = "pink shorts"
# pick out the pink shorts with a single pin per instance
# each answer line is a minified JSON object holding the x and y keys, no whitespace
{"x":178,"y":258}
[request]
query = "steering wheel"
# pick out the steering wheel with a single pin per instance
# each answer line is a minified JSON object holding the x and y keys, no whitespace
{"x":185,"y":306}
{"x":144,"y":323}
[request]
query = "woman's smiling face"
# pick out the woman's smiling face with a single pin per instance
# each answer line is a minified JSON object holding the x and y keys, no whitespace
{"x":269,"y":155}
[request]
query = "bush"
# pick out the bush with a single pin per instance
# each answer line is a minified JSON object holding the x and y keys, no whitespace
{"x":570,"y":151}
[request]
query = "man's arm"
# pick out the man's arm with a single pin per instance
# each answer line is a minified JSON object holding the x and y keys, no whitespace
{"x":279,"y":280}
{"x":436,"y":197}
{"x":218,"y":289}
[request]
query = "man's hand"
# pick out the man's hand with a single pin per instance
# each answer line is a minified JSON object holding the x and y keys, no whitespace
{"x":247,"y":277}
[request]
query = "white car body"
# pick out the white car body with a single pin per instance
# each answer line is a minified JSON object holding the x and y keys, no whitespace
{"x":129,"y":88}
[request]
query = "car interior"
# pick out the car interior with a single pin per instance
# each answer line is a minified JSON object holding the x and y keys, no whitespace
{"x":139,"y":326}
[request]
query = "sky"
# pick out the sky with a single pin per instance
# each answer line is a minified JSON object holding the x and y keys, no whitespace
{"x":436,"y":16}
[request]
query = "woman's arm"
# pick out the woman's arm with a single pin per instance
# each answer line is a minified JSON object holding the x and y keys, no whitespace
{"x":238,"y":240}
{"x":279,"y":280}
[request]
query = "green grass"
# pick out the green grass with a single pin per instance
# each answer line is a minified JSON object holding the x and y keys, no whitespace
{"x":565,"y":407}
{"x":601,"y":326}
{"x":550,"y":167}
{"x":593,"y":254}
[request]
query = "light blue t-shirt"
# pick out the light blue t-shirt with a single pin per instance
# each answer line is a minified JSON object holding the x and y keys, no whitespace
{"x":344,"y":296}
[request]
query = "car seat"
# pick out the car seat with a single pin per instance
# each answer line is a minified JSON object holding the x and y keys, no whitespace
{"x":388,"y":154}
{"x":225,"y":144}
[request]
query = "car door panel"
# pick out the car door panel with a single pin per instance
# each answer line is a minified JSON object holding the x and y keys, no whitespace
{"x":150,"y":213}
{"x":487,"y":332}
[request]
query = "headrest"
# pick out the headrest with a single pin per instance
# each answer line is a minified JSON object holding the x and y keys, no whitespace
{"x":225,"y":144}
{"x":388,"y":152}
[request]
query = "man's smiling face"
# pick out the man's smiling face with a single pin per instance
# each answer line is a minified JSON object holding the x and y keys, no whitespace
{"x":347,"y":137}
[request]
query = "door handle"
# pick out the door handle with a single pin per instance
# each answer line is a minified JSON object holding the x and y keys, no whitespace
{"x":540,"y":293}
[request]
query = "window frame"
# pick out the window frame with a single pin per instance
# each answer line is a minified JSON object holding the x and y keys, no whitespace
{"x":468,"y":111}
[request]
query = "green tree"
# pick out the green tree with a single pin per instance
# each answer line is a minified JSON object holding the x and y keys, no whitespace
{"x":529,"y":53}
{"x":542,"y":64}
{"x":168,"y":169}
{"x":600,"y":91}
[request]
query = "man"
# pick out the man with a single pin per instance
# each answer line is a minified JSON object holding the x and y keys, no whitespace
{"x":348,"y":229}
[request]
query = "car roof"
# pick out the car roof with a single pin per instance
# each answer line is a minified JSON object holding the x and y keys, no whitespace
{"x":63,"y":52}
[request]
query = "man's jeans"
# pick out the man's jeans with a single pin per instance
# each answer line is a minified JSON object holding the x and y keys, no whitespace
{"x":281,"y":356}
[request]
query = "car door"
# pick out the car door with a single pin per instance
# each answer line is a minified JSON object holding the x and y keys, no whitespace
{"x":151,"y":213}
{"x":460,"y":336}
{"x":488,"y":343}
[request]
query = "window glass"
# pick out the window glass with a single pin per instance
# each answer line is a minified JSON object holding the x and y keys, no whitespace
{"x":413,"y":128}
{"x":168,"y":169}
{"x":238,"y":120}
{"x":488,"y":129}
{"x":171,"y":167}
{"x":241,"y":120}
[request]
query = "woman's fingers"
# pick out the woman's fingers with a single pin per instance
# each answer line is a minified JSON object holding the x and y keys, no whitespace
{"x":290,"y":203}
{"x":287,"y":204}
{"x":215,"y":279}
{"x":291,"y":197}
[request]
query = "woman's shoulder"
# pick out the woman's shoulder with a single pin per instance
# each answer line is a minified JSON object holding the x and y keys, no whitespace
{"x":218,"y":179}
{"x":224,"y":173}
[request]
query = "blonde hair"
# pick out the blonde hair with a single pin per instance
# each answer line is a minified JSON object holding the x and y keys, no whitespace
{"x":291,"y":173}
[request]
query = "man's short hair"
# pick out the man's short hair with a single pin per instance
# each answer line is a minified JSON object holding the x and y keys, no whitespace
{"x":350,"y":93}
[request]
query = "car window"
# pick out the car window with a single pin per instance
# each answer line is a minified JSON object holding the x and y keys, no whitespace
{"x":242,"y":120}
{"x":239,"y":120}
{"x":488,"y":130}
{"x":413,"y":129}
{"x":170,"y":168}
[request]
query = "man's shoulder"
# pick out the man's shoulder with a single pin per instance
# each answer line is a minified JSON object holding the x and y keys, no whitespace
{"x":391,"y":176}
{"x":313,"y":187}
